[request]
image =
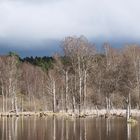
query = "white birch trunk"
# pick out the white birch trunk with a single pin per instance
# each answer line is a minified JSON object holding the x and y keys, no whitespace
{"x":128,"y":111}
{"x":3,"y":98}
{"x":54,"y":96}
{"x":66,"y":91}
{"x":85,"y":89}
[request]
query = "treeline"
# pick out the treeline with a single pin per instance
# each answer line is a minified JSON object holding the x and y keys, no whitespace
{"x":80,"y":79}
{"x":44,"y":62}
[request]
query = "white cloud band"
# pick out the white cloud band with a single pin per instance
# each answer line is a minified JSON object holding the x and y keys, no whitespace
{"x":57,"y":19}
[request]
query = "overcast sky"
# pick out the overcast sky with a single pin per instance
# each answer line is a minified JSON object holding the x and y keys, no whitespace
{"x":39,"y":24}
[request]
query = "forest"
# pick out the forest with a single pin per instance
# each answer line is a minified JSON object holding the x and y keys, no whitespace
{"x":81,"y":78}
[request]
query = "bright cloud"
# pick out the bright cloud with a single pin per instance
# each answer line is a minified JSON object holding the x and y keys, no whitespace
{"x":55,"y":19}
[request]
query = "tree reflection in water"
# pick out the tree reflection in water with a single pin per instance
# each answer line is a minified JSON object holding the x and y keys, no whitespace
{"x":108,"y":127}
{"x":61,"y":128}
{"x":128,"y":131}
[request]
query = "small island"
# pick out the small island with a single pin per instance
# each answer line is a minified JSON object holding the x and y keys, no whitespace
{"x":79,"y":82}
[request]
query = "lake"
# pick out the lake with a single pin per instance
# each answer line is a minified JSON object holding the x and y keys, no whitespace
{"x":59,"y":128}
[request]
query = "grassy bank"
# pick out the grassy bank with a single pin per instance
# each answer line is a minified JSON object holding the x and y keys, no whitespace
{"x":87,"y":113}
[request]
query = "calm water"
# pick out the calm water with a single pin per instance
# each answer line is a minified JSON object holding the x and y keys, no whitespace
{"x":67,"y":129}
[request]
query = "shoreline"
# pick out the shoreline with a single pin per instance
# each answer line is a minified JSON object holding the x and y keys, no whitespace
{"x":87,"y":113}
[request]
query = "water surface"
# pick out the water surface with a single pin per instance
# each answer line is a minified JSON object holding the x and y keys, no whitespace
{"x":59,"y":128}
